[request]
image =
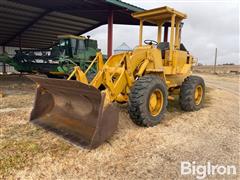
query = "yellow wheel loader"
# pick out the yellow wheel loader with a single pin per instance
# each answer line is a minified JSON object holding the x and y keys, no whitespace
{"x":83,"y":111}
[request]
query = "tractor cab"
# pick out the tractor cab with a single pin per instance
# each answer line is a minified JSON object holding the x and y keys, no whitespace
{"x":167,"y":19}
{"x":78,"y":47}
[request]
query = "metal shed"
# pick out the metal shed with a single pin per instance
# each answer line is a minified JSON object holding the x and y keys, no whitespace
{"x":36,"y":24}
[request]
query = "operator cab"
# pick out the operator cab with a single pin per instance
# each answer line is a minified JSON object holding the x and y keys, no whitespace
{"x":70,"y":45}
{"x":168,"y":20}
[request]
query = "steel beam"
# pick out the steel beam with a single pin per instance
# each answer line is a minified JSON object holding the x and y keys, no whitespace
{"x":110,"y":34}
{"x":165,"y":33}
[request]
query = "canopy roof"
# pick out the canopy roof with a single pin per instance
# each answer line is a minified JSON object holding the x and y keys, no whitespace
{"x":159,"y":14}
{"x":37,"y":23}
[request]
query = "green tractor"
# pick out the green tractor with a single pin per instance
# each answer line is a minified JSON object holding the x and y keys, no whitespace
{"x":57,"y":61}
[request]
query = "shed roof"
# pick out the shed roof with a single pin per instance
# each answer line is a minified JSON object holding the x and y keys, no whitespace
{"x":38,"y":23}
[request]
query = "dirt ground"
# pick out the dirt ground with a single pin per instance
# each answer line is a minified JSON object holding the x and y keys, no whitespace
{"x":210,"y":134}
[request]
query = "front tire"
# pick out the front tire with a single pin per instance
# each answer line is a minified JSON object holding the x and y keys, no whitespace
{"x":148,"y":100}
{"x":192,"y":93}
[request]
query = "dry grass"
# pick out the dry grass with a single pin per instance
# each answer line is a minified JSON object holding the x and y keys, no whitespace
{"x":220,"y":69}
{"x":29,"y":152}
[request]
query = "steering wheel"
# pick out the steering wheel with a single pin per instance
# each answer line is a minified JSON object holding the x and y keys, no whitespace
{"x":150,"y":42}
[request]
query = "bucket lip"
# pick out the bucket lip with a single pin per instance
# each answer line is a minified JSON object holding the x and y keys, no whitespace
{"x":43,"y":82}
{"x":37,"y":78}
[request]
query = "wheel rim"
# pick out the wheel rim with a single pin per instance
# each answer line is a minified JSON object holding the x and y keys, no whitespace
{"x":198,"y":94}
{"x":156,"y":102}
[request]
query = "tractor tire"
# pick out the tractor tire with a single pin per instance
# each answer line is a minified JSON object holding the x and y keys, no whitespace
{"x":189,"y":99}
{"x":146,"y":88}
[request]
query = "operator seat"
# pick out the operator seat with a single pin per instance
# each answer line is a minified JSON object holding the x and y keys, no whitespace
{"x":163,"y":46}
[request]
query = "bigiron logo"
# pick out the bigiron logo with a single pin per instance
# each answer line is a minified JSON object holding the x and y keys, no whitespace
{"x":208,"y":169}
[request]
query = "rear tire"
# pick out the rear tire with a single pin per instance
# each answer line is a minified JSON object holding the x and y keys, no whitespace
{"x":149,"y":88}
{"x":190,"y":100}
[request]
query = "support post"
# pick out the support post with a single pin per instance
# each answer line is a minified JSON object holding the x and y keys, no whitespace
{"x":110,"y":33}
{"x":177,"y":34}
{"x":165,"y":33}
{"x":215,"y":62}
{"x":159,"y":33}
{"x":180,"y":33}
{"x":172,"y":38}
{"x":140,"y":32}
{"x":4,"y":65}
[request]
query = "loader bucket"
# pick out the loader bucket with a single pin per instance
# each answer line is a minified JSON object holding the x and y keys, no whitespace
{"x":73,"y":110}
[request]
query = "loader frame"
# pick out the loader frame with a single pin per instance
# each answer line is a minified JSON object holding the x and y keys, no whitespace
{"x":121,"y":70}
{"x":145,"y":78}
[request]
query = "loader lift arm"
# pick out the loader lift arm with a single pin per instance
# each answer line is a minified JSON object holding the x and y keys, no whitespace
{"x":117,"y":75}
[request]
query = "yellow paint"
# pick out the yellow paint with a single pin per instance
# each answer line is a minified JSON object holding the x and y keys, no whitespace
{"x":156,"y":102}
{"x":152,"y":15}
{"x":171,"y":40}
{"x":177,"y":42}
{"x":198,"y":94}
{"x":140,"y":32}
{"x":57,"y":73}
{"x":120,"y":71}
{"x":159,"y":33}
{"x":79,"y":74}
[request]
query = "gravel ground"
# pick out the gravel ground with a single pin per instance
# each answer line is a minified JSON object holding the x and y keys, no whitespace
{"x":210,"y":134}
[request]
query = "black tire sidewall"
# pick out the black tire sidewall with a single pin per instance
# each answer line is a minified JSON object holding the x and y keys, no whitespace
{"x":158,"y":86}
{"x":187,"y":93}
{"x":139,"y":100}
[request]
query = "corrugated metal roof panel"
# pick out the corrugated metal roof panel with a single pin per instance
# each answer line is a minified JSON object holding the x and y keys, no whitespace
{"x":11,"y":21}
{"x":40,"y":34}
{"x":27,"y":42}
{"x":39,"y":22}
{"x":49,"y":31}
{"x":43,"y":38}
{"x":73,"y":18}
{"x":18,"y":12}
{"x":19,"y":6}
{"x":66,"y":21}
{"x":52,"y":28}
{"x":14,"y":17}
{"x":52,"y":25}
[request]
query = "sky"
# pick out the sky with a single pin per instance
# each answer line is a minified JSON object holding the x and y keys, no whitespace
{"x":210,"y":24}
